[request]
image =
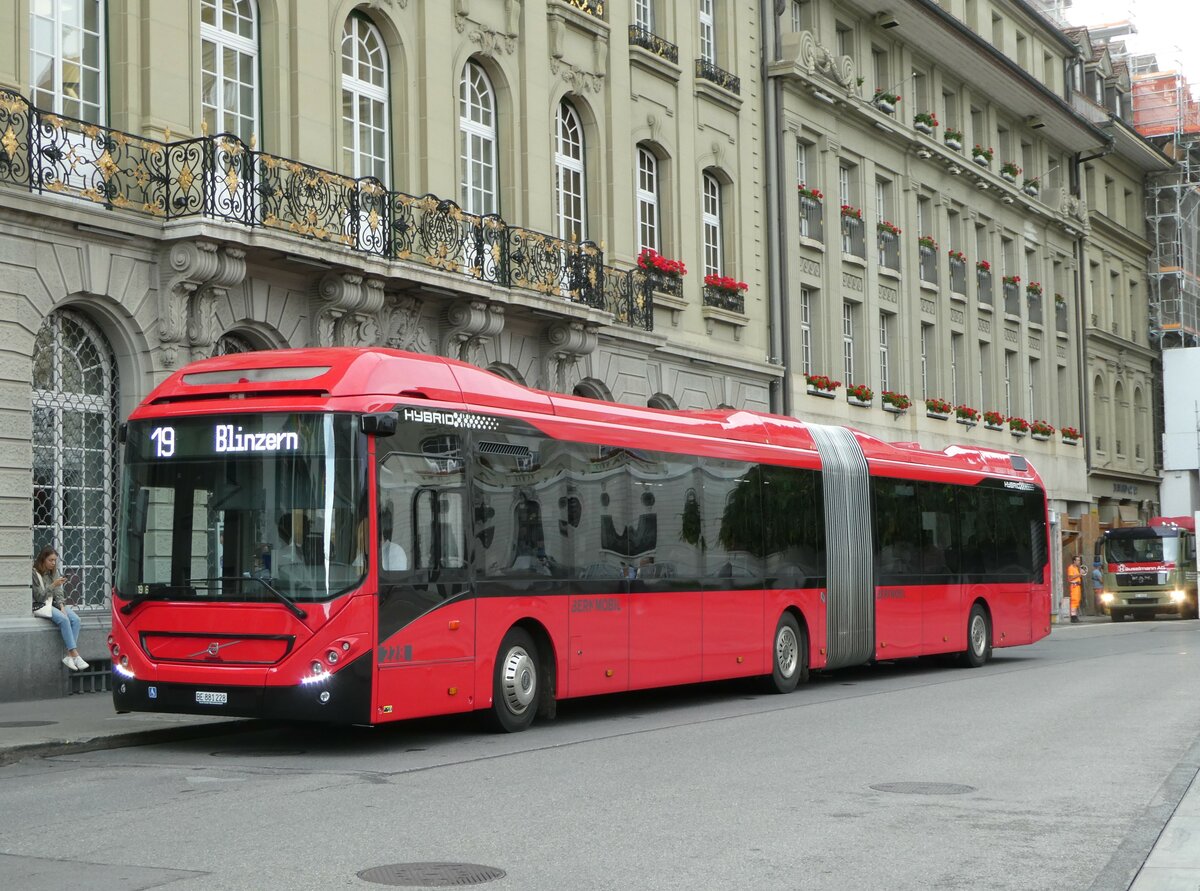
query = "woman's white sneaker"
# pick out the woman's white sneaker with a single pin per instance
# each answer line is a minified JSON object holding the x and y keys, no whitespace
{"x":69,"y":661}
{"x":80,"y":665}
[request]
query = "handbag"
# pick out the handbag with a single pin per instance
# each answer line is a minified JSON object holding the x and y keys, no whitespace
{"x":43,"y":611}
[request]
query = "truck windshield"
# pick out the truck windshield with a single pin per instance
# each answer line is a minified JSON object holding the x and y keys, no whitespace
{"x":1142,"y":549}
{"x":243,"y":507}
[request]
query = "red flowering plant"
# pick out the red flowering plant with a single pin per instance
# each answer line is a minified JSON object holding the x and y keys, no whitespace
{"x":650,"y":260}
{"x":1034,"y":289}
{"x":1010,"y":168}
{"x":805,"y":192}
{"x":928,"y":242}
{"x":981,"y":152}
{"x":938,"y":406}
{"x":966,"y":413}
{"x":882,"y":95}
{"x":983,"y":266}
{"x":957,"y":256}
{"x":993,"y":418}
{"x":888,"y":227}
{"x":1012,"y":279}
{"x":1018,"y":425}
{"x":1041,"y":428}
{"x":861,"y":392}
{"x":896,"y":400}
{"x":849,"y":210}
{"x":821,"y":382}
{"x":1070,"y":433}
{"x":724,"y":283}
{"x":928,"y":118}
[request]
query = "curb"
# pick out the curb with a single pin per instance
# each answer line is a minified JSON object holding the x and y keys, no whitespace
{"x":125,"y":740}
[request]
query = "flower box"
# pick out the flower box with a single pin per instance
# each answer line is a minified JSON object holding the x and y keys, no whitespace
{"x":1017,"y":434}
{"x":967,"y":422}
{"x":894,"y":409}
{"x":954,"y":144}
{"x":821,"y":385}
{"x":897,"y":403}
{"x":989,"y":426}
{"x":817,"y":391}
{"x":922,"y":127}
{"x":1067,"y":440}
{"x":884,"y":101}
{"x":860,"y":403}
{"x":1008,"y":177}
{"x":1031,"y":189}
{"x":1040,"y":437}
{"x":938,"y":415}
{"x":651,"y":261}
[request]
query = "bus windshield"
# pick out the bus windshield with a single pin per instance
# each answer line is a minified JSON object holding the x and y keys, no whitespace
{"x":243,"y":507}
{"x":1148,"y":549}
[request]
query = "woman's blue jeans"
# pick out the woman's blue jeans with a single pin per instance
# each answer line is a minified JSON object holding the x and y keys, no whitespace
{"x":68,"y":624}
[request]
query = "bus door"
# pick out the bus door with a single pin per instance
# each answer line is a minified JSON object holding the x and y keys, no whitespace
{"x":426,"y":639}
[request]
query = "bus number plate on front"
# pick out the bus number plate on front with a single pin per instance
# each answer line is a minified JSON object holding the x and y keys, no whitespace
{"x":204,"y":697}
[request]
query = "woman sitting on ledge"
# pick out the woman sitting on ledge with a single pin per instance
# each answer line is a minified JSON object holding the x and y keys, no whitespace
{"x":48,"y":604}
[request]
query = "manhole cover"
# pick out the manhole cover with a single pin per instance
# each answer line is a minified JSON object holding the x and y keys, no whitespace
{"x":257,"y":753}
{"x":924,"y":788}
{"x":431,"y":875}
{"x":27,"y":723}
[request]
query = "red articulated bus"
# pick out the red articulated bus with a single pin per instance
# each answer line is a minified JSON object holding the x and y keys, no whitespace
{"x":361,"y":536}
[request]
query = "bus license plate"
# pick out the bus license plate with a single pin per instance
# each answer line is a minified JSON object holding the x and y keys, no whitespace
{"x":206,"y":698}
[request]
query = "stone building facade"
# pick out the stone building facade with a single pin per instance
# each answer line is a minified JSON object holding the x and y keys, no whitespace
{"x":470,"y":178}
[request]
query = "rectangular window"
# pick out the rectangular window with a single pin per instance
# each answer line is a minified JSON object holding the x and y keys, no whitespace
{"x":882,"y":69}
{"x":885,"y":339}
{"x":1009,"y":383}
{"x":67,"y":58}
{"x":979,"y":134}
{"x":920,"y":91}
{"x":950,"y":103}
{"x":998,"y":32}
{"x":806,"y":352}
{"x":647,"y":201}
{"x":1036,"y":409}
{"x":643,"y":14}
{"x":845,"y":40}
{"x":985,"y":389}
{"x":708,"y":36}
{"x":844,"y":185}
{"x":848,"y":342}
{"x":802,"y":15}
{"x":1022,"y":51}
{"x":926,"y":359}
{"x":955,"y":367}
{"x":712,"y":226}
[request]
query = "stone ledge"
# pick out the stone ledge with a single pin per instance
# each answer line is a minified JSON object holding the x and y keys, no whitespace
{"x":31,"y":652}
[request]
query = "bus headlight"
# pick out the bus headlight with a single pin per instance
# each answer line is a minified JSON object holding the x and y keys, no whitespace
{"x":1178,"y":596}
{"x":1106,"y":597}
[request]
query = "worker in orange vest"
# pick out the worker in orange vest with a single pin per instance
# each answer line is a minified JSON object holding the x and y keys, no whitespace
{"x":1075,"y":585}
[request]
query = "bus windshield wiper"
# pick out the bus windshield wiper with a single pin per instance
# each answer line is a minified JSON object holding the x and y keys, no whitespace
{"x":161,"y":592}
{"x":275,"y":592}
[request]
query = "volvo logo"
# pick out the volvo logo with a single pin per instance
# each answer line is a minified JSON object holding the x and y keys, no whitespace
{"x":214,"y":648}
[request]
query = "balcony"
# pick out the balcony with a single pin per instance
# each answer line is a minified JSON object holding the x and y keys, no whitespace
{"x":1035,"y":309}
{"x":854,"y":239}
{"x":591,"y":7}
{"x":958,"y":276}
{"x":927,"y":265}
{"x":1060,"y":319}
{"x":648,"y":40}
{"x":812,"y":219}
{"x":1012,"y":299}
{"x":724,"y":298}
{"x":889,"y":251}
{"x":220,"y":178}
{"x":983,"y":281}
{"x":706,"y":70}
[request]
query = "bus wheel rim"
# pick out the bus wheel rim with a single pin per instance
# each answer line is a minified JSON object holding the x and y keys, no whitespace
{"x":519,"y":680}
{"x":978,"y":634}
{"x":787,"y":652}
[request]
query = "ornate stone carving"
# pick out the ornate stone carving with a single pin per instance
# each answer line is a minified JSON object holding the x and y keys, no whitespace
{"x":564,"y":343}
{"x":465,"y":324}
{"x":345,"y":309}
{"x":576,"y":78}
{"x":193,"y":275}
{"x":813,"y":57}
{"x":402,"y":328}
{"x":493,"y":43}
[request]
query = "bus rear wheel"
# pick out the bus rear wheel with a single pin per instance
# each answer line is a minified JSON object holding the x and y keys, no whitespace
{"x":789,"y":656}
{"x":515,"y":683}
{"x":979,"y":638}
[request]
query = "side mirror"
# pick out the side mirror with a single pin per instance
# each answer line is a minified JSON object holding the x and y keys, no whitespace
{"x":381,"y":423}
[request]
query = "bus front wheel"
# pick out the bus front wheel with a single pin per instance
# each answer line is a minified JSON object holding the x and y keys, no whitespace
{"x":979,"y":638}
{"x":789,"y":655}
{"x":515,"y":682}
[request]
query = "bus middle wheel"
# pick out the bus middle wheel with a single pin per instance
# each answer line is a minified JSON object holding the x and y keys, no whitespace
{"x":789,"y":656}
{"x":515,"y":682}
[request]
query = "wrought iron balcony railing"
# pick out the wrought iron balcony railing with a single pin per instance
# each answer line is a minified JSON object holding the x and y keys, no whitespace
{"x":706,"y":70}
{"x":1012,"y":299}
{"x":958,"y":276}
{"x":889,"y":251}
{"x":983,"y":281}
{"x":664,"y":49}
{"x":927,"y":265}
{"x":220,"y":177}
{"x":724,"y":298}
{"x":812,"y":219}
{"x":854,"y":238}
{"x":591,"y":7}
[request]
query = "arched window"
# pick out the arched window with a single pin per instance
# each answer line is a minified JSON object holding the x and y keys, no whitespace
{"x":1099,"y":412}
{"x":75,"y":476}
{"x":477,"y":141}
{"x":711,"y":220}
{"x":590,"y":388}
{"x":67,"y":57}
{"x":1117,"y":418}
{"x":569,"y":174}
{"x":662,"y":401}
{"x":365,"y":133}
{"x":229,"y":343}
{"x":229,"y":67}
{"x":647,"y":201}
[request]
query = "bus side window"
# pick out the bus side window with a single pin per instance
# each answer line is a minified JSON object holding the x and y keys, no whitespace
{"x":421,"y":514}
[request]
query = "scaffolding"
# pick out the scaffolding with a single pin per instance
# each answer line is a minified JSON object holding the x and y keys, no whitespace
{"x":1166,"y":114}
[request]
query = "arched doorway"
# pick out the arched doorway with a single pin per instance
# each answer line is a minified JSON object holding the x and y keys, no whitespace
{"x":75,"y":391}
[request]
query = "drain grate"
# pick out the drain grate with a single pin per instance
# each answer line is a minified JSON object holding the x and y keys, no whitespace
{"x":27,"y":723}
{"x":924,"y":788}
{"x":431,"y":875}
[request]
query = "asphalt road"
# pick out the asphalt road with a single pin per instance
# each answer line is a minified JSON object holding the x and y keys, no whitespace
{"x":1048,"y":768}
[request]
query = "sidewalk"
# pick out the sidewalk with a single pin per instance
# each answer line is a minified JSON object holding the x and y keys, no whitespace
{"x":86,"y":722}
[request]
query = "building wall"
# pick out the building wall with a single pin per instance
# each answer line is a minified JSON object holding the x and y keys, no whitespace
{"x":164,"y":291}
